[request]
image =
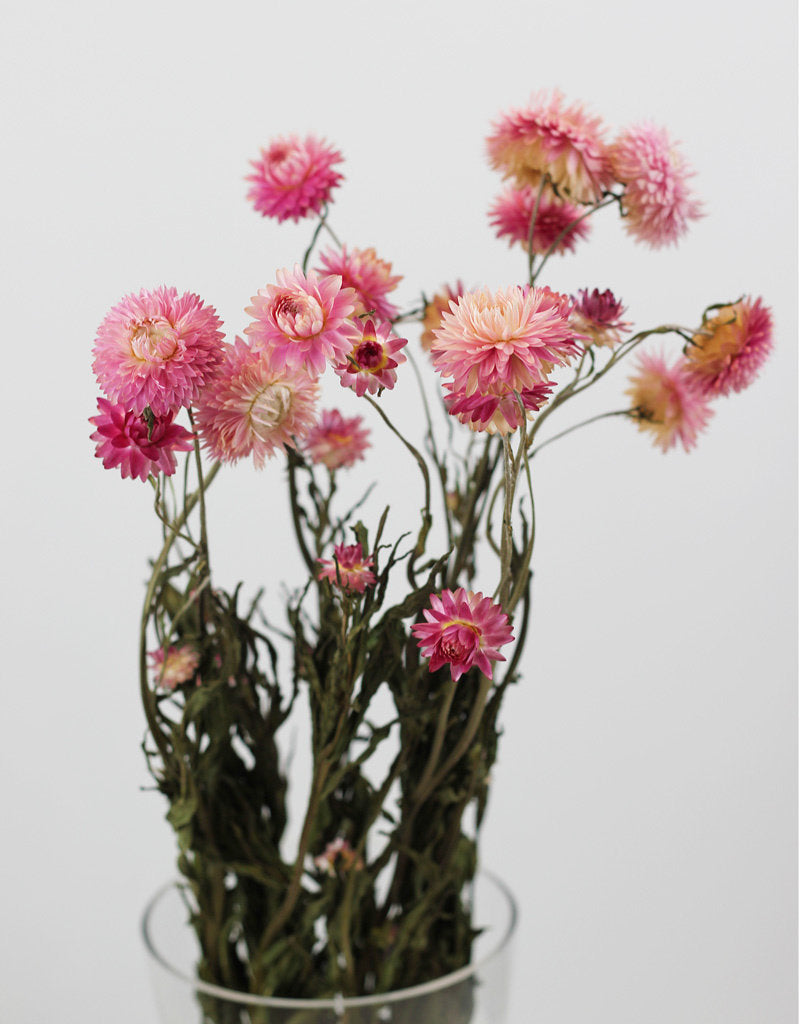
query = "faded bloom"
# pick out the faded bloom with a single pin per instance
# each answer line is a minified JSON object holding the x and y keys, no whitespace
{"x":371,"y":362}
{"x":511,"y":213}
{"x":303,"y":320}
{"x":157,"y":349}
{"x":462,"y":629}
{"x":432,"y":318}
{"x":348,"y":569}
{"x":549,"y":138}
{"x":176,"y":665}
{"x":657,"y":204}
{"x":729,"y":349}
{"x":336,"y":442}
{"x":495,"y":408}
{"x":126,"y":440}
{"x":254,"y":405}
{"x":598,"y":315}
{"x":369,"y":277}
{"x":293,"y":178}
{"x":667,"y":402}
{"x":339,"y":856}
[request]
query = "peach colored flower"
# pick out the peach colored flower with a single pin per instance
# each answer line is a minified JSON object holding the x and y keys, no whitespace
{"x":137,"y":447}
{"x":462,"y":629}
{"x":598,"y":315}
{"x":336,"y":442}
{"x":667,"y":402}
{"x":371,"y":362}
{"x":369,"y":277}
{"x":339,"y":856}
{"x":348,"y":569}
{"x":511,"y":213}
{"x":728,"y":351}
{"x":293,"y":178}
{"x":495,"y":409}
{"x":432,"y":317}
{"x":175,"y":666}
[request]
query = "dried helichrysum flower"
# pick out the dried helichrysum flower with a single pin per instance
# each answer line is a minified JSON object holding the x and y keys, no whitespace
{"x":293,"y":178}
{"x":462,"y":630}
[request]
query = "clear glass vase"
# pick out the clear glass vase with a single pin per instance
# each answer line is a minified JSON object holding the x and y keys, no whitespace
{"x":475,"y":994}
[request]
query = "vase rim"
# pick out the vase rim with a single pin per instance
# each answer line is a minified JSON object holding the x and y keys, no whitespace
{"x":338,"y":1003}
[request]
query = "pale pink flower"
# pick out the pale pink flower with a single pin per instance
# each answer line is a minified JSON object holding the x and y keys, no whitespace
{"x":728,"y":351}
{"x":549,"y":138}
{"x":495,"y":408}
{"x":513,"y":337}
{"x":138,"y":446}
{"x":432,"y":317}
{"x":174,"y":666}
{"x":348,"y":569}
{"x":657,"y":204}
{"x":255,"y":405}
{"x":668,"y":402}
{"x":369,"y":277}
{"x":157,"y":349}
{"x":336,"y":442}
{"x":339,"y":856}
{"x":373,"y":358}
{"x":462,"y":629}
{"x":303,"y":320}
{"x":293,"y":178}
{"x":598,"y":315}
{"x":511,"y":213}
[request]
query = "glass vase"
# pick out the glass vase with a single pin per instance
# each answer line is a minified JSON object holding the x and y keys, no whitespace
{"x":475,"y":994}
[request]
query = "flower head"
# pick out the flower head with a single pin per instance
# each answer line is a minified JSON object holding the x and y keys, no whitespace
{"x":303,"y":320}
{"x":462,"y":629}
{"x":432,"y":317}
{"x":657,"y":204}
{"x":495,"y":409}
{"x":667,"y":402}
{"x":731,"y":346}
{"x":339,"y":856}
{"x":369,"y":277}
{"x":255,"y":405}
{"x":598,"y":315}
{"x":174,"y":665}
{"x":136,"y":444}
{"x":549,"y":138}
{"x":511,"y":213}
{"x":293,"y":178}
{"x":336,"y":442}
{"x":348,"y":569}
{"x":156,"y":349}
{"x":373,"y":357}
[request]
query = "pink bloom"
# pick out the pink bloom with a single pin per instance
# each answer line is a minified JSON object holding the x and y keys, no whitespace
{"x":176,"y":665}
{"x":127,"y":440}
{"x":369,"y":277}
{"x":668,"y":402}
{"x":657,"y":204}
{"x":156,"y":349}
{"x":432,"y":318}
{"x":336,"y":442}
{"x":598,"y":315}
{"x":371,"y":362}
{"x":512,"y":337}
{"x":339,"y":856}
{"x":495,"y":409}
{"x":254,"y":404}
{"x":293,"y":178}
{"x":462,"y":629}
{"x":511,"y":213}
{"x":348,"y":569}
{"x":304,"y":321}
{"x":729,"y":349}
{"x":549,"y":138}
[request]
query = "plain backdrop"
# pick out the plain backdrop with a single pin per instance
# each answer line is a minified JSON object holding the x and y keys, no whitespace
{"x":644,"y":801}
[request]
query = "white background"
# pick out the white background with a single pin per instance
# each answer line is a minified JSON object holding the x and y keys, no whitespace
{"x":644,"y":802}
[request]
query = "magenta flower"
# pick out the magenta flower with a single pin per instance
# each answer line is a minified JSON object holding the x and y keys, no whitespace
{"x":304,"y":321}
{"x":463,"y":630}
{"x":510,"y":215}
{"x":728,"y":351}
{"x":126,"y":440}
{"x":371,"y":362}
{"x":598,"y":316}
{"x":293,"y":178}
{"x":336,"y":442}
{"x":369,"y":277}
{"x":348,"y":569}
{"x":495,"y":409}
{"x":174,"y":666}
{"x":157,"y":349}
{"x":668,"y":402}
{"x":255,"y":405}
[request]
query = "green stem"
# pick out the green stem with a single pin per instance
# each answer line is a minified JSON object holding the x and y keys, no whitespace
{"x":577,"y":426}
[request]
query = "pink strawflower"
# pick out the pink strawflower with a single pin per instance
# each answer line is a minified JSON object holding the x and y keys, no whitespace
{"x":598,"y":315}
{"x":512,"y":337}
{"x":157,"y":349}
{"x":255,"y":405}
{"x":549,"y":138}
{"x":510,"y":215}
{"x":667,"y":402}
{"x":336,"y":442}
{"x":371,"y":362}
{"x":293,"y":178}
{"x":303,"y":320}
{"x":369,"y":277}
{"x":657,"y":204}
{"x":348,"y":569}
{"x":339,"y":856}
{"x":175,"y":666}
{"x":462,"y":629}
{"x":728,"y":351}
{"x":495,"y":409}
{"x":432,"y":317}
{"x":138,"y":447}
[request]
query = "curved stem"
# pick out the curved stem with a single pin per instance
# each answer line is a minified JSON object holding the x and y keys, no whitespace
{"x":577,"y":426}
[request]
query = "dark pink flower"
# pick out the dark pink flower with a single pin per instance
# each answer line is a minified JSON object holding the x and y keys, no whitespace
{"x":510,"y":215}
{"x":462,"y":629}
{"x":373,"y":358}
{"x":293,"y":178}
{"x":136,"y":444}
{"x":348,"y":569}
{"x":598,"y":315}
